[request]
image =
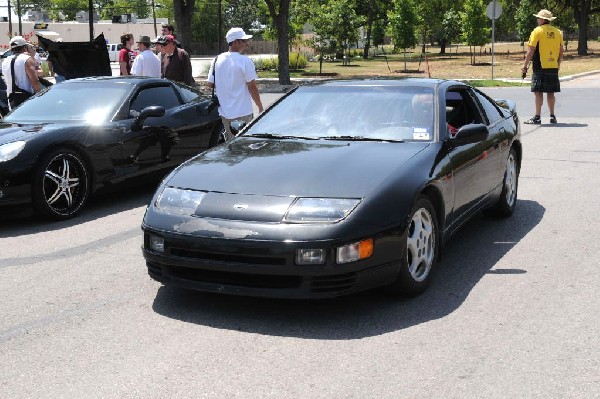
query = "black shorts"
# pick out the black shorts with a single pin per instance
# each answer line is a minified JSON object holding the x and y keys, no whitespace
{"x":545,"y":81}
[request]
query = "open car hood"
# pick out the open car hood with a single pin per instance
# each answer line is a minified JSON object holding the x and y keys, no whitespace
{"x":80,"y":59}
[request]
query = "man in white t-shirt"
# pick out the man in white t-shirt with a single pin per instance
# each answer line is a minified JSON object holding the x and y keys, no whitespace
{"x":234,"y":81}
{"x":146,"y":63}
{"x":26,"y":78}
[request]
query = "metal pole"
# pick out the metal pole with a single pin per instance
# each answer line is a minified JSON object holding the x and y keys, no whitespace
{"x":91,"y":18}
{"x":219,"y":29}
{"x":493,"y":34}
{"x":10,"y":31}
{"x":19,"y":15}
{"x":154,"y":18}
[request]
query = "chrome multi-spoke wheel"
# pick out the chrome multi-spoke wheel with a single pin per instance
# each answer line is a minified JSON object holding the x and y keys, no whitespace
{"x":510,"y":181}
{"x":505,"y":205}
{"x":420,"y":245}
{"x":61,"y":185}
{"x":420,"y":249}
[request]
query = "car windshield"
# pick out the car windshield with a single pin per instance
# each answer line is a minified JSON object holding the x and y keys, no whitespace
{"x":89,"y":102}
{"x":358,"y":112}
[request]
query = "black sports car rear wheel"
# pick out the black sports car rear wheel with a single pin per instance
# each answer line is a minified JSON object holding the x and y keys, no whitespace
{"x":60,"y":185}
{"x":420,"y":250}
{"x":218,"y":134}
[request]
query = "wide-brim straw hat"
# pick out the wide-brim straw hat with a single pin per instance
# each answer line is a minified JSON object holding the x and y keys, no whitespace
{"x":545,"y":14}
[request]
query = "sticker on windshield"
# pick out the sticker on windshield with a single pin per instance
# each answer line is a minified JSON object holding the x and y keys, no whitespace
{"x":420,"y":133}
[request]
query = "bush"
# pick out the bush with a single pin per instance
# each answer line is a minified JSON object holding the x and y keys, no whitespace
{"x":266,"y":64}
{"x":297,"y":61}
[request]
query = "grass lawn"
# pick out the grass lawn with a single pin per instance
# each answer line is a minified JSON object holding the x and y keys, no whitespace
{"x":455,"y":64}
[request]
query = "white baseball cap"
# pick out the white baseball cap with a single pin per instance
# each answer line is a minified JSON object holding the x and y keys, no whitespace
{"x":18,"y":41}
{"x":236,"y":34}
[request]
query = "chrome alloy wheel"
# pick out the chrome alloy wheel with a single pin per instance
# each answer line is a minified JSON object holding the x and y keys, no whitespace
{"x":510,"y":182}
{"x":64,"y":184}
{"x":420,"y":244}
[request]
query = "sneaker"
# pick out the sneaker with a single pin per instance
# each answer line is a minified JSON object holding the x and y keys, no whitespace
{"x":536,"y":120}
{"x":552,"y":118}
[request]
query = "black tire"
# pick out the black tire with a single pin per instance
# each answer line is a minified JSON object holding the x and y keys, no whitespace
{"x":505,"y":205}
{"x":61,"y":185}
{"x":420,"y":250}
{"x":218,"y":135}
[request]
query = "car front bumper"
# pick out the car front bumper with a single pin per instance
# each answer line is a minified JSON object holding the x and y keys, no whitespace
{"x":267,"y":268}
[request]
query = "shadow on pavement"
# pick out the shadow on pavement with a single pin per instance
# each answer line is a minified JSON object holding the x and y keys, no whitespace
{"x":20,"y":221}
{"x":469,"y":255}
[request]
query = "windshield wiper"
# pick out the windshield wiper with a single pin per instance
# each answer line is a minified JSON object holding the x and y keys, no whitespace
{"x":359,"y":138}
{"x":279,"y":136}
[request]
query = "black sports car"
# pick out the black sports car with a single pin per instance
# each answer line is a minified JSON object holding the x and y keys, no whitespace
{"x":339,"y":187}
{"x":85,"y":134}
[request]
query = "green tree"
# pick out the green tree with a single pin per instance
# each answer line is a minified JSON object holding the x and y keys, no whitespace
{"x":318,"y":15}
{"x":183,"y":12}
{"x":373,"y":11}
{"x":451,"y":29}
{"x":402,"y":26}
{"x":279,"y":10}
{"x":475,"y":30}
{"x":582,"y":10}
{"x":378,"y":35}
{"x":69,"y":8}
{"x":525,"y":22}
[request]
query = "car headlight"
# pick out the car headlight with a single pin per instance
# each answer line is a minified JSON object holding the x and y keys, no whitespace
{"x":11,"y":150}
{"x":320,"y":210}
{"x":179,"y":201}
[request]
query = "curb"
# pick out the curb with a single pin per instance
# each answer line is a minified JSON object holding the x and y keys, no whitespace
{"x":271,"y":85}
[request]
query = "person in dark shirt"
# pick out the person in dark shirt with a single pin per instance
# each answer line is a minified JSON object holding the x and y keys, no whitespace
{"x":176,"y":63}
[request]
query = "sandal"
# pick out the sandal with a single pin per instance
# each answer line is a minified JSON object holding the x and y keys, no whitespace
{"x":536,"y":120}
{"x":552,"y":118}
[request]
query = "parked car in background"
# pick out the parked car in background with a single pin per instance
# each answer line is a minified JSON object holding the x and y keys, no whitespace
{"x":113,"y":51}
{"x":83,"y":135}
{"x":337,"y":188}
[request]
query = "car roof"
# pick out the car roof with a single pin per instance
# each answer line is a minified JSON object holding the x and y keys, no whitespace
{"x":133,"y":80}
{"x":385,"y":81}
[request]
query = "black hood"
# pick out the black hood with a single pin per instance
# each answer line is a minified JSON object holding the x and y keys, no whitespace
{"x":78,"y":59}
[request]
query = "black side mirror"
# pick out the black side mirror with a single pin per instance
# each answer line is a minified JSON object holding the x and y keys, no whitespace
{"x":472,"y":133}
{"x":151,"y":111}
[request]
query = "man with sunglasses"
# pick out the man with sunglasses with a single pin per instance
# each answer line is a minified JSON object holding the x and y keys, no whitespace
{"x":233,"y":76}
{"x":176,"y":63}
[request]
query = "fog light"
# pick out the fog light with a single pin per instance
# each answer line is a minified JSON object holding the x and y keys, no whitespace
{"x":356,"y":251}
{"x":157,"y":244}
{"x":310,"y":257}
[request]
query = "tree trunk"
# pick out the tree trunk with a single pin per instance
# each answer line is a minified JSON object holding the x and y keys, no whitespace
{"x":183,"y":10}
{"x":582,"y":33}
{"x":443,"y":43}
{"x":281,"y":24}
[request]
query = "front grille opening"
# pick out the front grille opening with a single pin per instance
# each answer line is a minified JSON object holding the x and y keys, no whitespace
{"x":237,"y":279}
{"x":220,"y":257}
{"x":335,"y":283}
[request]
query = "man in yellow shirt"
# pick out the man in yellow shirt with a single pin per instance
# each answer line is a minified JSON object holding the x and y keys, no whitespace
{"x":546,"y":53}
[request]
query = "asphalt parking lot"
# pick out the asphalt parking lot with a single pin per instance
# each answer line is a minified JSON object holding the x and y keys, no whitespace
{"x":513,"y":310}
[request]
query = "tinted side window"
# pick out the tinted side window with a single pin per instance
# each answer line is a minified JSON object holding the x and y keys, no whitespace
{"x":187,"y":93}
{"x":461,"y":109}
{"x":163,"y":95}
{"x":493,"y":113}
